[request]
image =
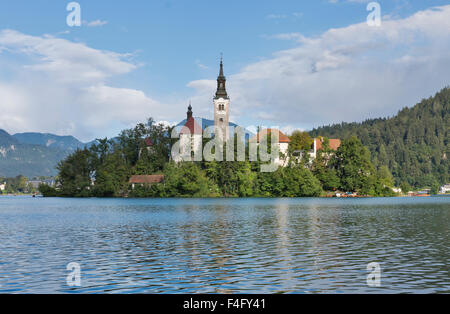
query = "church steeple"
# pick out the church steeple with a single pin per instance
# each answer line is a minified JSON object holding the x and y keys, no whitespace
{"x":221,"y":83}
{"x":189,"y":113}
{"x":222,"y":107}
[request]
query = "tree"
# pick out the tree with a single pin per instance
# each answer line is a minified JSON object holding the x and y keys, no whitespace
{"x":353,"y":165}
{"x":187,"y":180}
{"x":405,"y":187}
{"x":324,"y":169}
{"x":76,"y":174}
{"x":300,"y":141}
{"x":385,"y":177}
{"x":47,"y":191}
{"x":111,"y":177}
{"x":294,"y":181}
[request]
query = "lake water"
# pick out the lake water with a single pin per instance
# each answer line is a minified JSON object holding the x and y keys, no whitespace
{"x":224,"y":245}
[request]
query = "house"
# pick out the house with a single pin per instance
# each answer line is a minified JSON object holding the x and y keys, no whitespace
{"x":143,"y":180}
{"x":318,"y":145}
{"x":283,"y":144}
{"x":445,"y":189}
{"x":3,"y":186}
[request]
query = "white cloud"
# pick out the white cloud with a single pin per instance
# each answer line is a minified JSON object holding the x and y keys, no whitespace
{"x":49,"y":84}
{"x":63,"y":87}
{"x":346,"y":74}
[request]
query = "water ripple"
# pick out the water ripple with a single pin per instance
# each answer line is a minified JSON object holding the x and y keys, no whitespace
{"x":224,"y":246}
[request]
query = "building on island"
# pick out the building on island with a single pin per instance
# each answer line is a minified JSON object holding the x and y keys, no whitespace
{"x":191,"y":130}
{"x":445,"y":189}
{"x":145,"y":180}
{"x":191,"y":138}
{"x":334,"y":144}
{"x":3,"y":186}
{"x":283,"y":144}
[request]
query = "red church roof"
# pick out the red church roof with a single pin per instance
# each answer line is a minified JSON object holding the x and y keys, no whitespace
{"x":192,"y":127}
{"x":282,"y":137}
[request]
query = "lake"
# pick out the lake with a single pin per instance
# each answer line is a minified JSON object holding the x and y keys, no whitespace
{"x":224,"y":245}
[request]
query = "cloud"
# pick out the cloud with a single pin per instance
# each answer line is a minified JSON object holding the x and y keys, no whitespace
{"x":55,"y":85}
{"x":345,"y":74}
{"x":50,"y":84}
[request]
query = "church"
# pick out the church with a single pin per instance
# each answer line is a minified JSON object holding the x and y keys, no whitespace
{"x":191,"y":134}
{"x":221,"y":120}
{"x":191,"y":137}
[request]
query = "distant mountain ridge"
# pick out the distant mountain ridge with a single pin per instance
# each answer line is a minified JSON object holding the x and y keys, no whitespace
{"x":69,"y":143}
{"x":34,"y":154}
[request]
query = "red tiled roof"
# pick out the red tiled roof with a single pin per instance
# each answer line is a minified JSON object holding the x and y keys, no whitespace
{"x":334,"y":143}
{"x":146,"y":179}
{"x":148,"y":142}
{"x":192,"y":127}
{"x":282,"y":137}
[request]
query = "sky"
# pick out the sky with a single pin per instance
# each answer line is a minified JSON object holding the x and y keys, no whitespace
{"x":289,"y":64}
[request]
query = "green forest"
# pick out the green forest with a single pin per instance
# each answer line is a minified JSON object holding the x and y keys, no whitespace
{"x":105,"y":168}
{"x":414,"y":144}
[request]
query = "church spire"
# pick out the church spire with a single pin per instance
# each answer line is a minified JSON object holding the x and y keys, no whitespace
{"x":189,"y":113}
{"x":221,"y":67}
{"x":221,"y":83}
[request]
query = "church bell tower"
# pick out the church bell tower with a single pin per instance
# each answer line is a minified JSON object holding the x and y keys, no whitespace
{"x":221,"y":106}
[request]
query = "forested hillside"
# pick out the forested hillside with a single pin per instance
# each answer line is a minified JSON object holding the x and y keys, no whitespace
{"x":414,"y":144}
{"x":28,"y":158}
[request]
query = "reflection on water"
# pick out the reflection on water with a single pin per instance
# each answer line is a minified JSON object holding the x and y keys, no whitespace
{"x":225,"y":245}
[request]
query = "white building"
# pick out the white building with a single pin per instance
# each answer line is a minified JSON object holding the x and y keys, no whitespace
{"x":283,"y":144}
{"x":445,"y":189}
{"x":191,"y":139}
{"x":3,"y":186}
{"x":334,"y":144}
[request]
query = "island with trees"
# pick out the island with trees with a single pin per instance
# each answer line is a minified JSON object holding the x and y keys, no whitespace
{"x":409,"y":151}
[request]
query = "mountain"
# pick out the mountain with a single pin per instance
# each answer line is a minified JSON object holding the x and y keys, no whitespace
{"x":66,"y":143}
{"x":414,"y":144}
{"x":6,"y":139}
{"x":34,"y":154}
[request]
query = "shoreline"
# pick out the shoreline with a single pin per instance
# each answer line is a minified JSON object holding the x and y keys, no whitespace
{"x":229,"y":198}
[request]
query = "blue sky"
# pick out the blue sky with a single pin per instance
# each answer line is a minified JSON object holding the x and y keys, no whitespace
{"x":167,"y":52}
